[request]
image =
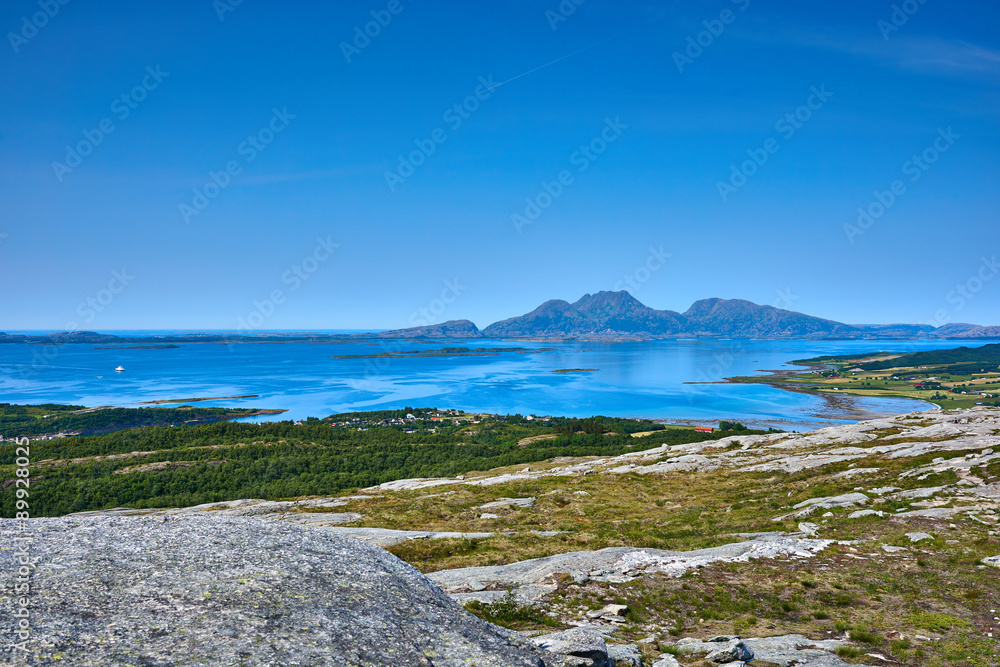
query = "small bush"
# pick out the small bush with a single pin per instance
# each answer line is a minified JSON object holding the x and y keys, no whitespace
{"x":509,"y":613}
{"x":937,"y":622}
{"x":866,"y":637}
{"x":899,"y":645}
{"x":848,"y":651}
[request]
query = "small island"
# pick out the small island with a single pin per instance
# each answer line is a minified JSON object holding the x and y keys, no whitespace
{"x":164,"y":346}
{"x":195,"y":400}
{"x":575,"y":370}
{"x":446,"y":352}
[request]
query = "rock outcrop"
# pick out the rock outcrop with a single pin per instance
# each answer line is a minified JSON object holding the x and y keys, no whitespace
{"x":786,"y":650}
{"x":221,"y":591}
{"x":532,"y":579}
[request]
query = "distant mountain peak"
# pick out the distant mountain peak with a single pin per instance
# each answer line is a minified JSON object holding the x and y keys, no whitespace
{"x":449,"y":329}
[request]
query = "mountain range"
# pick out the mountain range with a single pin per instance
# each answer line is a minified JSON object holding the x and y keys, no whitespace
{"x":621,"y":315}
{"x":604,"y":315}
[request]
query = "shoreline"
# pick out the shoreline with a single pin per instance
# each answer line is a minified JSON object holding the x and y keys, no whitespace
{"x":844,"y":401}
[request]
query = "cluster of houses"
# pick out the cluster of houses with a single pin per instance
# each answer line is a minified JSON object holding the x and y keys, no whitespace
{"x":363,"y":423}
{"x":456,"y":417}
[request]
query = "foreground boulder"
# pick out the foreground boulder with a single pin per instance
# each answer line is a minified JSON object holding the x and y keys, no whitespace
{"x":784,"y":651}
{"x":588,"y":646}
{"x":585,"y":647}
{"x":220,"y":591}
{"x":731,"y":651}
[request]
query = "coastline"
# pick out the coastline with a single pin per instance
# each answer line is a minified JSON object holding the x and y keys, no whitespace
{"x":843,"y":402}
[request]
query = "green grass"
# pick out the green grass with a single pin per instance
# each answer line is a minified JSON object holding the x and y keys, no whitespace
{"x":937,"y":622}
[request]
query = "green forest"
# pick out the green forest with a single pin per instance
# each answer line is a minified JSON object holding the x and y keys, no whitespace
{"x":958,"y":361}
{"x":228,"y":461}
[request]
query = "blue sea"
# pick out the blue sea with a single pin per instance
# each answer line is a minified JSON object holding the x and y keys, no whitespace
{"x":650,"y":379}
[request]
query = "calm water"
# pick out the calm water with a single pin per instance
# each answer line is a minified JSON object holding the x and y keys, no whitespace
{"x":635,"y":379}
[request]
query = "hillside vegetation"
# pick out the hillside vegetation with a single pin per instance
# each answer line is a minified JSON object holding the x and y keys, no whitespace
{"x":176,"y":467}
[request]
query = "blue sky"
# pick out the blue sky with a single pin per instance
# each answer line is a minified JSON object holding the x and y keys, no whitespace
{"x":310,"y":232}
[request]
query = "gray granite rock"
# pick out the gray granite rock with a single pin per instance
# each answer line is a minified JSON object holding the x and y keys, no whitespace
{"x":785,"y":650}
{"x":731,"y":651}
{"x":227,"y":591}
{"x":624,"y":655}
{"x":531,"y":579}
{"x":507,"y":502}
{"x":576,"y":643}
{"x":809,"y":529}
{"x":807,"y":507}
{"x":666,"y":660}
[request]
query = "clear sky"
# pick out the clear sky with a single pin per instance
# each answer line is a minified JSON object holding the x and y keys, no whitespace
{"x":349,"y":160}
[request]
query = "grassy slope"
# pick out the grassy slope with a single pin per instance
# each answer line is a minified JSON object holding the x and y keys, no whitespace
{"x":935,"y":589}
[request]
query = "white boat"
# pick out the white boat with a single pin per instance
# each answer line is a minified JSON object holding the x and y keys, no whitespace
{"x":120,"y":369}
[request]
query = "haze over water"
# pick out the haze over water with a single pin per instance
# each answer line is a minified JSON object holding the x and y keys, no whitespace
{"x":641,"y":379}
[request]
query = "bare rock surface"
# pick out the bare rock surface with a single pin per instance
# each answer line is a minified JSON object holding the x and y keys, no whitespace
{"x":531,"y":578}
{"x":309,"y":511}
{"x":786,"y":650}
{"x":589,"y":646}
{"x":509,"y":502}
{"x":586,"y":647}
{"x":227,"y":591}
{"x":387,"y":537}
{"x":667,"y":660}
